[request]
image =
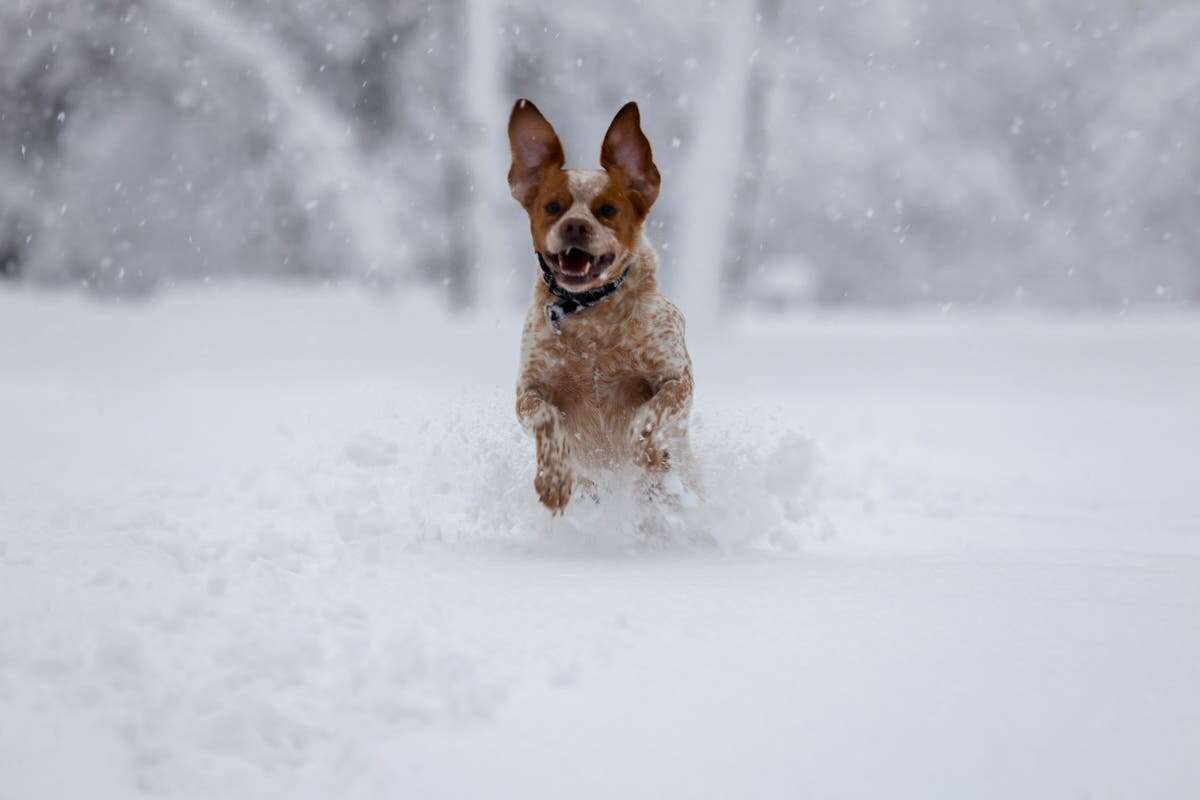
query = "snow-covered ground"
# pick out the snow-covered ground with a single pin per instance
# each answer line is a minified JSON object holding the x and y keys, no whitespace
{"x":282,"y":543}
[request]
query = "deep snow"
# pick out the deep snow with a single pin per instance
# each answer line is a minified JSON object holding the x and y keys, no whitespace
{"x":260,"y":543}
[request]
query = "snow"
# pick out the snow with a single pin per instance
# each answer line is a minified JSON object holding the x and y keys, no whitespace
{"x":278,"y":542}
{"x":895,"y":152}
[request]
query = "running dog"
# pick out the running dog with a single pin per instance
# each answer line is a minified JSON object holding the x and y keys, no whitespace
{"x":605,"y":376}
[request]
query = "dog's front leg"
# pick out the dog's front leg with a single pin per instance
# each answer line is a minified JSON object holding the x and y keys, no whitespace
{"x":660,"y":420}
{"x":544,"y":422}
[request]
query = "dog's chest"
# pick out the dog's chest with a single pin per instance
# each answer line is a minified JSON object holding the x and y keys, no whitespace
{"x":601,"y":376}
{"x":597,"y":385}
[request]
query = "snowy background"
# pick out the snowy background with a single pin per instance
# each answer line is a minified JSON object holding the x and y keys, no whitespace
{"x":878,"y":152}
{"x":267,"y":526}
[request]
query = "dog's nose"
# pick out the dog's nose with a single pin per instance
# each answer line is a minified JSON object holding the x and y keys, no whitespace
{"x":576,"y":227}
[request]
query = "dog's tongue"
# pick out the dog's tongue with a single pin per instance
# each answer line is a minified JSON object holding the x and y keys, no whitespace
{"x":575,"y":261}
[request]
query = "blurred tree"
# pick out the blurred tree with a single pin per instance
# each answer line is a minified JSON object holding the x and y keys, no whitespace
{"x":743,"y":246}
{"x":876,"y":152}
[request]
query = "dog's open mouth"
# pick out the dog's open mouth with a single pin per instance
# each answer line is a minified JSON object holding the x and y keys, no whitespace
{"x":575,"y":265}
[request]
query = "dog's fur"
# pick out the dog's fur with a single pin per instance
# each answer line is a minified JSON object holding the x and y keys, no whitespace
{"x":615,"y":385}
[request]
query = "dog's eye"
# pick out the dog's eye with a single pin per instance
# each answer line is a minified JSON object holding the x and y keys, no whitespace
{"x":553,"y":207}
{"x":608,"y":211}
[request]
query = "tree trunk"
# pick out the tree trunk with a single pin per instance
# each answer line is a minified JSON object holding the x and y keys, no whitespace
{"x":742,"y":253}
{"x":711,"y":178}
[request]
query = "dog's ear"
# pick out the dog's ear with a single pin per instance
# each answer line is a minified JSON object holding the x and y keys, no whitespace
{"x":626,"y":150}
{"x":535,"y":148}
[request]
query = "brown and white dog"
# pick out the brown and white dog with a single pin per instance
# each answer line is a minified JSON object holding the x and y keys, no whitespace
{"x":605,"y":375}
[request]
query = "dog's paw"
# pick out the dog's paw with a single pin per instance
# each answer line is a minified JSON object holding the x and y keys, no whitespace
{"x":642,"y":427}
{"x":553,"y":484}
{"x":645,"y":441}
{"x":588,"y":488}
{"x":651,"y":457}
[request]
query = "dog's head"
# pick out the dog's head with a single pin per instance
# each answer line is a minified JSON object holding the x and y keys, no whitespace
{"x":584,"y":222}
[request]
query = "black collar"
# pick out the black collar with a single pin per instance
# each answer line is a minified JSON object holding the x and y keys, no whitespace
{"x":572,"y":302}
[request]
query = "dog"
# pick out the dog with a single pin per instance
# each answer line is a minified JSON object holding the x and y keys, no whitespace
{"x":605,"y":376}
